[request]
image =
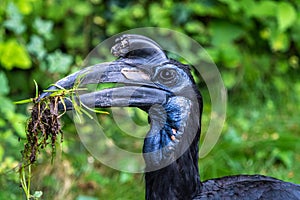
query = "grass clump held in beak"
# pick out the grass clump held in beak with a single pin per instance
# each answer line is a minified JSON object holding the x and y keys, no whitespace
{"x":44,"y":128}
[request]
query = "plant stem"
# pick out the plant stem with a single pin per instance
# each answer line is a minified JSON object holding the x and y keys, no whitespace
{"x":28,"y":181}
{"x":23,"y":181}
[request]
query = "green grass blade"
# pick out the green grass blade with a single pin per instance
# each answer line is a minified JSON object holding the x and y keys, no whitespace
{"x":36,"y":89}
{"x":24,"y":101}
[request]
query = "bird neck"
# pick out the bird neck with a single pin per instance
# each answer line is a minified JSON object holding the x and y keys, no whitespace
{"x":179,"y":180}
{"x":173,"y":174}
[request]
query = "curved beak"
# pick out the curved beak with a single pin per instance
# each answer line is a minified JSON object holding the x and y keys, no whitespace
{"x":137,"y":89}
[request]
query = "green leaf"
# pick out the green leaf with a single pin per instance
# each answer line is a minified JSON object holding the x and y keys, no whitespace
{"x":59,"y":62}
{"x":224,"y":33}
{"x":13,"y":54}
{"x":194,"y":27}
{"x":43,"y":27}
{"x":286,"y":15}
{"x":138,"y":11}
{"x":83,"y":8}
{"x":4,"y":88}
{"x":280,"y":42}
{"x":231,"y":56}
{"x":282,"y":66}
{"x":25,"y":6}
{"x":263,"y":9}
{"x":279,"y":83}
{"x":2,"y":123}
{"x":36,"y":47}
{"x":14,"y":21}
{"x":229,"y":79}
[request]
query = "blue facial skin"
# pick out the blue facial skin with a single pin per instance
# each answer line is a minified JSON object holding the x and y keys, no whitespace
{"x":167,"y":127}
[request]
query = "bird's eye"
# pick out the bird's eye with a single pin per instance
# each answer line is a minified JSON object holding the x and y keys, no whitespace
{"x":167,"y":76}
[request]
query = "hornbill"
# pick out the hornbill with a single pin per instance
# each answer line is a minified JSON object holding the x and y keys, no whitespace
{"x":166,"y":90}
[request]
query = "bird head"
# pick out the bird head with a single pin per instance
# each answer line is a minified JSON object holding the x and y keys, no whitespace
{"x":162,"y":87}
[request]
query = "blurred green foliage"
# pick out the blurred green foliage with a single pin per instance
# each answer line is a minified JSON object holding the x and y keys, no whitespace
{"x":255,"y":44}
